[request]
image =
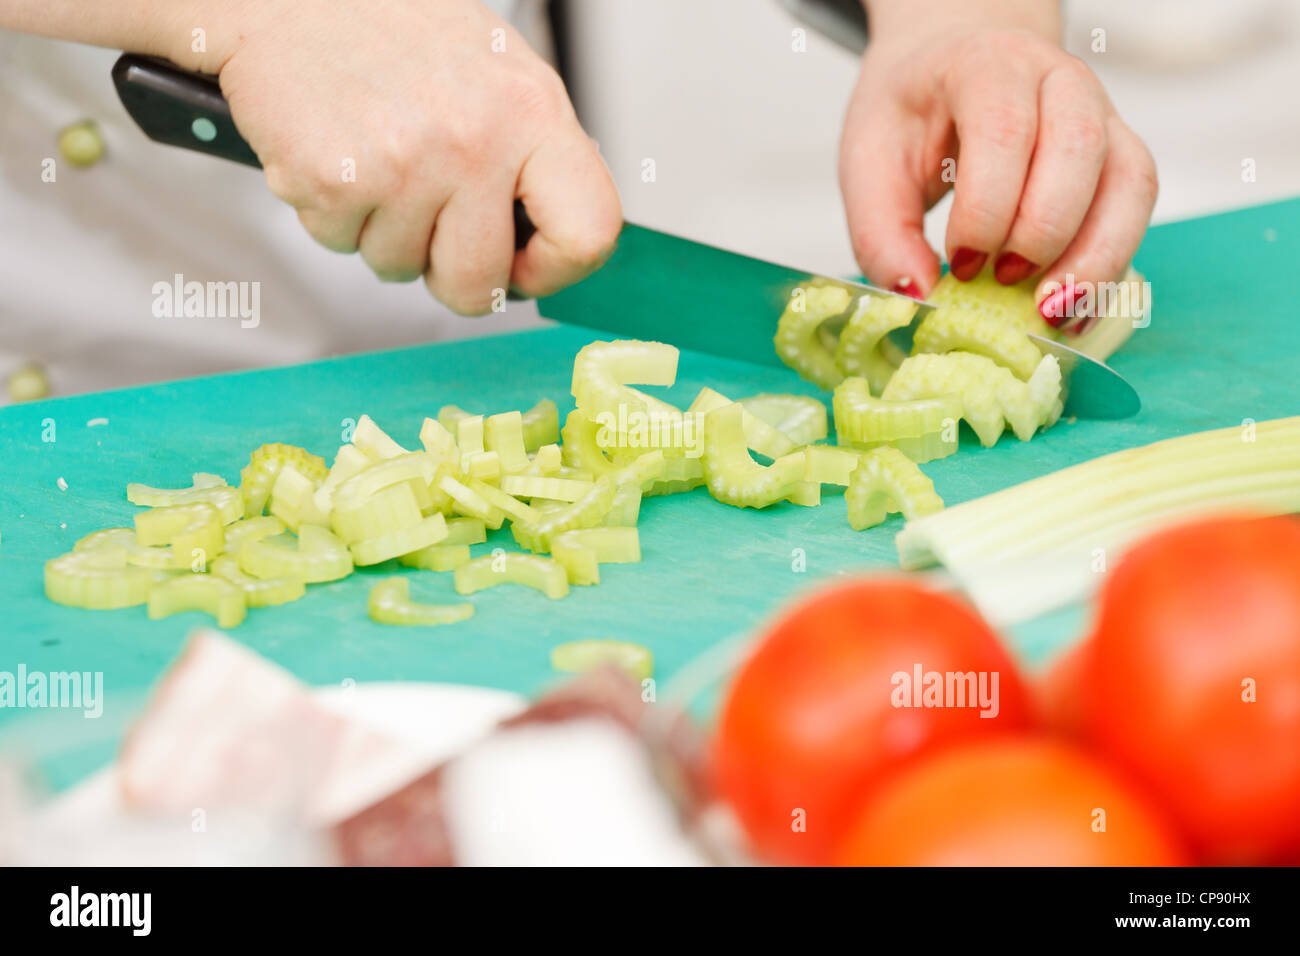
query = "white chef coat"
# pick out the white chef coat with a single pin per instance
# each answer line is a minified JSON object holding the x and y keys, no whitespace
{"x":80,"y":256}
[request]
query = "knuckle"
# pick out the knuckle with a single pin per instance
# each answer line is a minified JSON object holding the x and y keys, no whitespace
{"x":1042,"y":229}
{"x":1080,"y":134}
{"x":1145,"y":178}
{"x":1005,"y":126}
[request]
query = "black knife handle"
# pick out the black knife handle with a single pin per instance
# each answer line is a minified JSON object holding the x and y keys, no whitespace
{"x":185,"y":109}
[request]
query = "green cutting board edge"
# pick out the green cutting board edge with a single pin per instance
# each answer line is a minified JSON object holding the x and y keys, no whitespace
{"x":1223,"y":346}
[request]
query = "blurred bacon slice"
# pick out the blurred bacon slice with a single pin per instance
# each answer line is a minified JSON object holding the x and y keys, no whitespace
{"x":227,"y":728}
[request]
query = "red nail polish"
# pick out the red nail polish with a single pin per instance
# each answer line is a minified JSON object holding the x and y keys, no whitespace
{"x":966,"y":263}
{"x":1058,"y":309}
{"x":1011,"y":267}
{"x":906,"y":286}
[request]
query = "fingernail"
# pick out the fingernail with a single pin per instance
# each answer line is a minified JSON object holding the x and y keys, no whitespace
{"x":966,"y":263}
{"x":905,"y":286}
{"x":1011,"y":267}
{"x":1058,"y":309}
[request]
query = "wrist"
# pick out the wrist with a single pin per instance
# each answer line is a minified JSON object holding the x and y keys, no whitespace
{"x":888,"y":20}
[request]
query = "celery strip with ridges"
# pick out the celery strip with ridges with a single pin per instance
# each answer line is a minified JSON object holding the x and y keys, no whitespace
{"x":862,"y":347}
{"x":97,"y":578}
{"x":864,"y":420}
{"x":228,"y":501}
{"x":264,"y":466}
{"x":759,"y":435}
{"x":437,"y":557}
{"x":557,"y":489}
{"x":319,"y":556}
{"x":249,"y":529}
{"x":199,"y":592}
{"x":581,"y":552}
{"x":579,"y":657}
{"x":186,"y":528}
{"x":258,"y":592}
{"x":1034,"y":546}
{"x":504,"y":434}
{"x":991,"y":396}
{"x":388,"y":510}
{"x":732,"y":476}
{"x":798,"y":338}
{"x":587,"y":512}
{"x":390,"y":603}
{"x":887,"y":481}
{"x":800,"y":418}
{"x":542,"y":574}
{"x":428,"y":531}
{"x":961,"y":329}
{"x":603,"y":373}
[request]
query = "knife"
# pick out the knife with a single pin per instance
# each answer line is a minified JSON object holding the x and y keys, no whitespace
{"x":655,"y":285}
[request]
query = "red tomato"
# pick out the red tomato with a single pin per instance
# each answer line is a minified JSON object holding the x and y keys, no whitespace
{"x":1058,"y":692}
{"x":1010,"y":802}
{"x":1193,"y":623}
{"x":815,"y":717}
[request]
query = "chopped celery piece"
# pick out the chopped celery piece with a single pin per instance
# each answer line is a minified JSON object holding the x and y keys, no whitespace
{"x":541,"y":425}
{"x":348,"y":461}
{"x":439,"y":439}
{"x":374,"y":441}
{"x":319,"y":556}
{"x":1034,"y":546}
{"x":430,"y":530}
{"x":628,"y":418}
{"x":465,"y":531}
{"x":543,"y":574}
{"x":580,"y":448}
{"x":97,"y":578}
{"x":449,"y":417}
{"x":579,"y":657}
{"x":860,"y":351}
{"x":106,"y":538}
{"x":468,"y":502}
{"x":390,"y":603}
{"x":861,"y":419}
{"x":199,"y":592}
{"x":483,"y":465}
{"x":886,"y":481}
{"x":559,"y":489}
{"x":469,"y":435}
{"x":798,"y":333}
{"x":249,"y":529}
{"x":582,"y":551}
{"x":388,"y":510}
{"x":587,"y":512}
{"x":732,"y":476}
{"x":991,"y":396}
{"x":264,"y":465}
{"x":500,"y":501}
{"x":437,"y":557}
{"x":258,"y":592}
{"x":293,"y":499}
{"x":1013,"y":305}
{"x":187,"y":528}
{"x":547,"y":462}
{"x":504,"y":434}
{"x":962,"y":329}
{"x":228,"y":501}
{"x":800,"y":418}
{"x":759,"y":435}
{"x":413,"y":466}
{"x":829,"y":465}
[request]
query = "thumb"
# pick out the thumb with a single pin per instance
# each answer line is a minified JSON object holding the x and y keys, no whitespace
{"x":885,"y":203}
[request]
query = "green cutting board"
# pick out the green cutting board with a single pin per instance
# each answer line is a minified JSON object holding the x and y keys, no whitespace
{"x":1223,"y":346}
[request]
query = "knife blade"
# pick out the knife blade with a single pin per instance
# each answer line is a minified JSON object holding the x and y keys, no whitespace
{"x":655,"y":285}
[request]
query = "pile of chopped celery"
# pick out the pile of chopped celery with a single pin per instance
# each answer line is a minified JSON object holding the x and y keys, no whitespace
{"x":571,"y":498}
{"x":971,"y":360}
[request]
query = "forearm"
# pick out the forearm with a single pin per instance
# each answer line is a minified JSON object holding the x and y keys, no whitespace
{"x":887,"y":18}
{"x":165,"y":28}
